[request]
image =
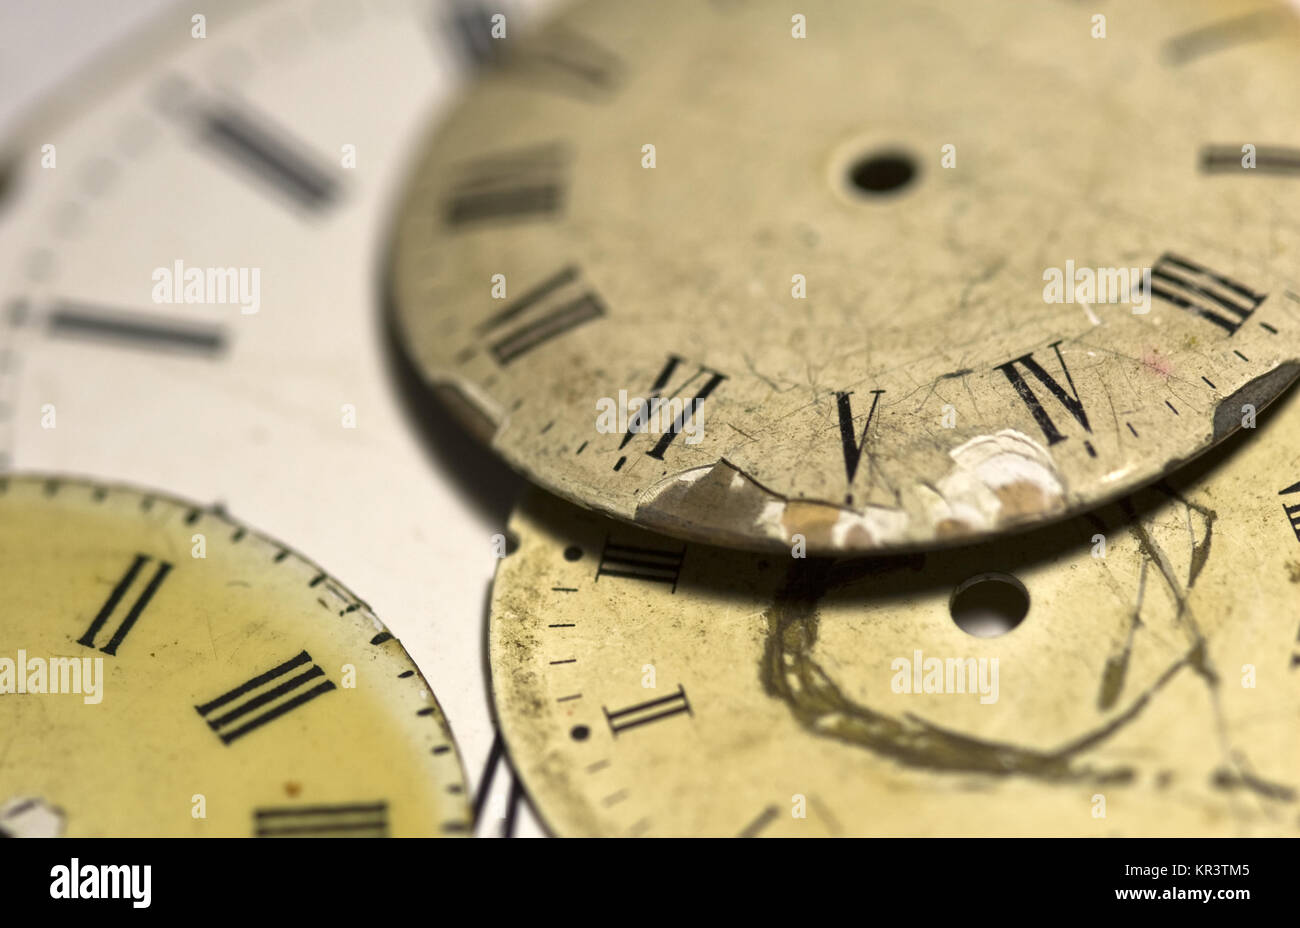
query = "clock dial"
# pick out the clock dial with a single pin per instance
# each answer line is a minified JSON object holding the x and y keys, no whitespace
{"x":871,"y":276}
{"x":200,"y":679}
{"x":1146,"y":681}
{"x":270,"y":146}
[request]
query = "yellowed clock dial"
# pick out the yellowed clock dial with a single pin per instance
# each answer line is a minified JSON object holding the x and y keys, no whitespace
{"x":871,"y":275}
{"x":1147,"y":680}
{"x":166,"y":671}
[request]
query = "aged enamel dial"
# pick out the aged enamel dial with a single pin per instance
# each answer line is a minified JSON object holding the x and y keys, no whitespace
{"x":269,"y":138}
{"x":177,"y":673}
{"x":1145,"y":681}
{"x":865,"y":276}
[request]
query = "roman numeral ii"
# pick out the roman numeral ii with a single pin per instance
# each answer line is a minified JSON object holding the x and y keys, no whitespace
{"x":115,"y":599}
{"x":644,"y":713}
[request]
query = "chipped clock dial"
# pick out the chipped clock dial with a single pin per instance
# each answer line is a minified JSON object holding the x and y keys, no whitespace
{"x":272,"y":145}
{"x":687,"y":268}
{"x":1150,"y":687}
{"x":176,"y":673}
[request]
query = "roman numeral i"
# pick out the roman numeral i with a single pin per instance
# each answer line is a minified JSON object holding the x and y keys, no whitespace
{"x":115,"y":599}
{"x":264,"y":694}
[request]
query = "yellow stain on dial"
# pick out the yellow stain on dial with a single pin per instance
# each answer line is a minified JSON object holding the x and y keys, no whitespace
{"x":166,"y":671}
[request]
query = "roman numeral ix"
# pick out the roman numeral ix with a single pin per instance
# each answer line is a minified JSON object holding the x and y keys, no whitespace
{"x":264,"y":694}
{"x":115,"y":599}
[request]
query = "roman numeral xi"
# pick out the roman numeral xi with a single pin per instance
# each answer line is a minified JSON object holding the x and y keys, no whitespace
{"x":133,"y":612}
{"x":262,"y":699}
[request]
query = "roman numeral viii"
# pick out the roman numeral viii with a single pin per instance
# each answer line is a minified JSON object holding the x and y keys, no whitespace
{"x":264,"y":694}
{"x":1203,"y":292}
{"x":1073,"y":405}
{"x":646,"y":712}
{"x":115,"y":599}
{"x":555,"y":306}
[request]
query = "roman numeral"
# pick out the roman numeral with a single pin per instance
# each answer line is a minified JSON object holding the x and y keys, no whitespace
{"x":522,"y":184}
{"x":646,"y":712}
{"x":244,"y":718}
{"x":115,"y":599}
{"x":1073,"y":405}
{"x":112,"y":326}
{"x":658,"y":565}
{"x":709,"y":381}
{"x":1202,"y":292}
{"x":852,"y":445}
{"x":549,"y":310}
{"x":266,"y":154}
{"x":569,"y":62}
{"x":361,"y":820}
{"x":1292,"y":512}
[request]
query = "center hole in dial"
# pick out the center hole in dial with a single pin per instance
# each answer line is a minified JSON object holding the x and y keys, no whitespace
{"x":989,"y":605}
{"x":882,"y":172}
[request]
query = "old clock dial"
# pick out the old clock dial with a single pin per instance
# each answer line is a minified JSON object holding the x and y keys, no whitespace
{"x":804,"y":258}
{"x":172,"y":662}
{"x":1150,"y":687}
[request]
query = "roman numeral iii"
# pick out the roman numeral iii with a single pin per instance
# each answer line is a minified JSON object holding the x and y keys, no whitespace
{"x":659,"y":565}
{"x":361,"y":820}
{"x":133,"y":612}
{"x":267,"y":699}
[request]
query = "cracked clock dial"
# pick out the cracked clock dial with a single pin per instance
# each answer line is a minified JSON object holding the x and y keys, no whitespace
{"x":684,"y":267}
{"x":274,"y":144}
{"x":1145,"y":681}
{"x":177,"y":673}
